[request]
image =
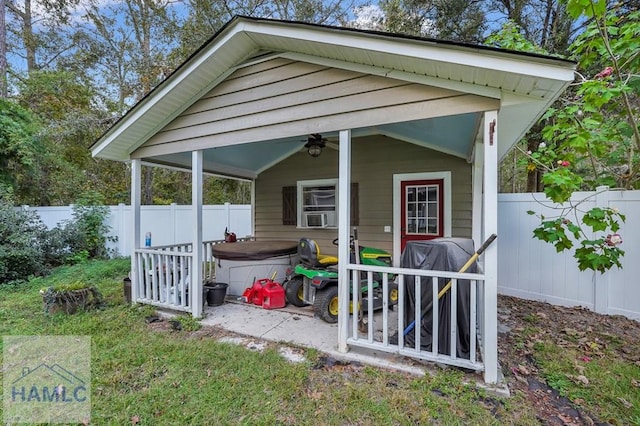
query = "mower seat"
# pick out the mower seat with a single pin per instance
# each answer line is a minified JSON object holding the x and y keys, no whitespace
{"x":309,"y":253}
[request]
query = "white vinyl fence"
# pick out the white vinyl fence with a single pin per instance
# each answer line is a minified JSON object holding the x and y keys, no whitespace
{"x":532,"y":269}
{"x":528,"y":268}
{"x":168,"y":225}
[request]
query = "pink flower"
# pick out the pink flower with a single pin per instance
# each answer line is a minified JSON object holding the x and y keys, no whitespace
{"x":565,"y":163}
{"x":613,"y":240}
{"x":528,"y":152}
{"x":604,"y":73}
{"x":585,"y":358}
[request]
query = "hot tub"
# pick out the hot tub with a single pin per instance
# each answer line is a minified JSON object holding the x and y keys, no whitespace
{"x":239,"y":264}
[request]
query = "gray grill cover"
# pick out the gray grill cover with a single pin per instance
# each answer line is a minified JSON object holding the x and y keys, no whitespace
{"x":442,"y":254}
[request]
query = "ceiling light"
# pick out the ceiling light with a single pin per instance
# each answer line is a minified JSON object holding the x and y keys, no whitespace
{"x":314,"y":145}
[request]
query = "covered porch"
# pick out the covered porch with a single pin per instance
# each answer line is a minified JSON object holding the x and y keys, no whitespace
{"x":245,"y":103}
{"x":154,"y":283}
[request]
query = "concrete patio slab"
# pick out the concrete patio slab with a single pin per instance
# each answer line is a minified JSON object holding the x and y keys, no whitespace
{"x":298,"y":327}
{"x":295,"y":326}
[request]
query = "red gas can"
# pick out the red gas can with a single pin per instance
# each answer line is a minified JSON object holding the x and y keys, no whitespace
{"x":257,"y":290}
{"x":273,"y":296}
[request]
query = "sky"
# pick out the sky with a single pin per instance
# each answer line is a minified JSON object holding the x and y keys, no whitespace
{"x":18,"y":63}
{"x":367,"y":16}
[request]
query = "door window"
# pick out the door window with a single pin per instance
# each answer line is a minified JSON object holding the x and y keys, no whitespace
{"x":423,"y":209}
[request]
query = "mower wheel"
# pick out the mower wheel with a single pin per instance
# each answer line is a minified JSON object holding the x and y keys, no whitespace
{"x":393,"y":294}
{"x":326,"y":304}
{"x":295,"y":292}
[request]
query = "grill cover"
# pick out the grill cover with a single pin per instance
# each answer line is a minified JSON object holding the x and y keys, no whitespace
{"x":442,"y":254}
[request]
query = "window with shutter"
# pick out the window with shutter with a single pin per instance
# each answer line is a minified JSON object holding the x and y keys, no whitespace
{"x":318,"y":204}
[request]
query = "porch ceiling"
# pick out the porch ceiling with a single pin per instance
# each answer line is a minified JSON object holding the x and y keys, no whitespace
{"x":453,"y":135}
{"x":524,"y":84}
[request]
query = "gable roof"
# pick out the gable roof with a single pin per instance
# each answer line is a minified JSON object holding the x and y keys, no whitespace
{"x":525,"y":84}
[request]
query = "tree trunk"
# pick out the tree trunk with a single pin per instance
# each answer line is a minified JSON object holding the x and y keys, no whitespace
{"x":514,"y":172}
{"x":28,"y":37}
{"x":532,"y":175}
{"x":3,"y":51}
{"x":532,"y":181}
{"x":539,"y":179}
{"x":147,"y":186}
{"x":26,"y":31}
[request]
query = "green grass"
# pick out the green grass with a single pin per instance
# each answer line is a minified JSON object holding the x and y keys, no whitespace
{"x":185,"y":377}
{"x":612,"y":386}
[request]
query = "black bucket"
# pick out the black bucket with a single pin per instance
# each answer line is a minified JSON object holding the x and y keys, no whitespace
{"x":216,"y":293}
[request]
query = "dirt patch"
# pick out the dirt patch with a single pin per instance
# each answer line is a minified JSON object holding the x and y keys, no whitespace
{"x":566,"y":327}
{"x":211,"y":332}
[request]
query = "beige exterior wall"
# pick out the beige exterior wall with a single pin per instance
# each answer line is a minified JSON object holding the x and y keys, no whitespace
{"x":282,"y":98}
{"x":375,"y":160}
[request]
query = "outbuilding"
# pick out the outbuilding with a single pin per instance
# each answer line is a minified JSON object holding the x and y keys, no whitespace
{"x":336,"y":127}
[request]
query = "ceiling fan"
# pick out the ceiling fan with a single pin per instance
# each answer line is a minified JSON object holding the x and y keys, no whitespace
{"x":315,"y":144}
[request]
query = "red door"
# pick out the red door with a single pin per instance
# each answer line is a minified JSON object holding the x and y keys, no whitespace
{"x":422,"y":210}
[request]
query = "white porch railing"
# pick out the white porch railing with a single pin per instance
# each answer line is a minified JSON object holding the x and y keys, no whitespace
{"x":162,"y":279}
{"x":162,"y":276}
{"x":388,"y":335}
{"x":162,"y":273}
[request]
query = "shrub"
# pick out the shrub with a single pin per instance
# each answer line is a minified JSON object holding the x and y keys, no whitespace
{"x":27,"y":248}
{"x":88,"y":232}
{"x":21,"y":249}
{"x":55,"y":246}
{"x":82,"y":238}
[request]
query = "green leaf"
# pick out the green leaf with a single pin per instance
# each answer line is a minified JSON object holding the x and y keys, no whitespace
{"x":574,"y":229}
{"x":595,"y":218}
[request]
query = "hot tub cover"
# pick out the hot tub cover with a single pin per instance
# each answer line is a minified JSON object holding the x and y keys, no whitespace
{"x":254,"y":250}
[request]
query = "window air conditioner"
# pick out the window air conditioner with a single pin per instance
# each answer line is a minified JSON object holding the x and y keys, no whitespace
{"x":316,"y":220}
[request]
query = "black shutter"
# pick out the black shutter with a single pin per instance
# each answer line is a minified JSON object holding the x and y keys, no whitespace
{"x":355,"y":211}
{"x":289,"y":205}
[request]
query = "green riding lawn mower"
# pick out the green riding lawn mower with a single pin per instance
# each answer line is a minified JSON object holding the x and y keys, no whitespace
{"x":314,"y":281}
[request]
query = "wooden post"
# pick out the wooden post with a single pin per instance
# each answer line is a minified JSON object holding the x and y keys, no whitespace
{"x":136,"y":188}
{"x":196,"y":229}
{"x":490,"y":221}
{"x":344,"y":224}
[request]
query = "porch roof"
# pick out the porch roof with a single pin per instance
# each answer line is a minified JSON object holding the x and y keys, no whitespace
{"x":523,"y":85}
